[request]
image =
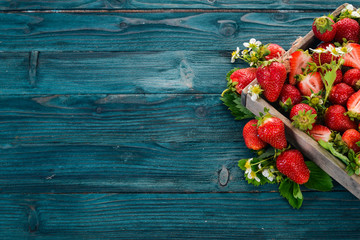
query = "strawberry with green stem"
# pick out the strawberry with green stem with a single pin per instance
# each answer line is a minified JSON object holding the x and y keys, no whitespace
{"x":251,"y":138}
{"x":291,"y":163}
{"x":324,"y":28}
{"x":272,"y":130}
{"x":303,"y":116}
{"x":271,"y":77}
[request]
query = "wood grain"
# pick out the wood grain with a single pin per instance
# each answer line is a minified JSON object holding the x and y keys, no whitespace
{"x":115,"y":119}
{"x":145,"y":31}
{"x":115,"y":72}
{"x":163,"y":4}
{"x":177,"y":216}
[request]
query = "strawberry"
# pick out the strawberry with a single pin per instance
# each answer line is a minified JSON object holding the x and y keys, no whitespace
{"x":353,"y":105}
{"x":291,"y":163}
{"x":276,"y":51}
{"x":352,"y":58}
{"x":352,"y":77}
{"x":320,"y":132}
{"x":351,"y":137}
{"x":272,"y":131}
{"x":347,"y":28}
{"x":340,"y":93}
{"x":243,"y":77}
{"x":339,"y":77}
{"x":251,"y":138}
{"x":310,"y":83}
{"x":324,"y":28}
{"x":336,"y":120}
{"x":298,"y":62}
{"x":303,"y":116}
{"x":322,"y":58}
{"x":271,"y":78}
{"x":289,"y":96}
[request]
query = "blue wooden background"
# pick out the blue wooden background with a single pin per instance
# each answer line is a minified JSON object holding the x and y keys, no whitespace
{"x":112,"y":127}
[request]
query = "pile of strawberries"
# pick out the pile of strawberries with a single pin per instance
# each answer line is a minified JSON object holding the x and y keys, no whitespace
{"x":318,"y":89}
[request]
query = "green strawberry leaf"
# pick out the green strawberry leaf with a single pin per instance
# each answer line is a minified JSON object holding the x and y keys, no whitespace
{"x":233,"y":102}
{"x":291,"y":191}
{"x":319,"y":180}
{"x":330,"y":147}
{"x":241,"y":163}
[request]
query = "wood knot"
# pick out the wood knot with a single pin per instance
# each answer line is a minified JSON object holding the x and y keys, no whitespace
{"x":200,"y":111}
{"x":98,"y":110}
{"x":123,"y":25}
{"x":223,"y":176}
{"x":227,"y":28}
{"x":280,"y":17}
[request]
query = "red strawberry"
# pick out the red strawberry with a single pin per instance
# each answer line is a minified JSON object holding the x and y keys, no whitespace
{"x":251,"y":138}
{"x":275,"y":51}
{"x":351,"y":137}
{"x":310,"y":83}
{"x":243,"y":77}
{"x":291,"y":163}
{"x":303,"y":116}
{"x":272,"y":130}
{"x":320,"y":132}
{"x":353,"y":105}
{"x":298,"y":62}
{"x":271,"y":79}
{"x":339,"y":76}
{"x":322,"y":58}
{"x":347,"y":28}
{"x":340,"y":93}
{"x":352,"y":78}
{"x":324,"y":28}
{"x":289,"y":96}
{"x":352,"y":58}
{"x":336,"y":120}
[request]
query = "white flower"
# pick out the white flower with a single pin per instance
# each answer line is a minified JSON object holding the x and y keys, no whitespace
{"x":319,"y":50}
{"x":235,"y":55}
{"x":252,"y":44}
{"x":355,"y":14}
{"x":255,"y":91}
{"x":268,"y":174}
{"x":265,"y":172}
{"x":259,"y":166}
{"x":349,"y":8}
{"x":336,"y":52}
{"x":252,"y":175}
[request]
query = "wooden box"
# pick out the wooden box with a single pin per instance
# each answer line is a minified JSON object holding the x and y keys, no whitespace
{"x":300,"y":140}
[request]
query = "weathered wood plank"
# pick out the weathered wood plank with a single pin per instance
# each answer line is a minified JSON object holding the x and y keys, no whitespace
{"x":178,"y":216}
{"x":115,"y":119}
{"x":146,"y":31}
{"x":115,"y":72}
{"x":163,"y":4}
{"x":121,"y":143}
{"x":132,"y":167}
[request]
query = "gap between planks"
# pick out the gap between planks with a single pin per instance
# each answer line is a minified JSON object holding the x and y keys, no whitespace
{"x":163,"y":11}
{"x":182,"y":193}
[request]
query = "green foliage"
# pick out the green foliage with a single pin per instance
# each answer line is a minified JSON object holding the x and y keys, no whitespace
{"x":319,"y":180}
{"x":233,"y":102}
{"x":291,"y":191}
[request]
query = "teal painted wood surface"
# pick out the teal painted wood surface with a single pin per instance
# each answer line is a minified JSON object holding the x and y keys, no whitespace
{"x":112,"y":72}
{"x":138,"y":32}
{"x":174,"y":4}
{"x":178,"y":216}
{"x":112,"y":127}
